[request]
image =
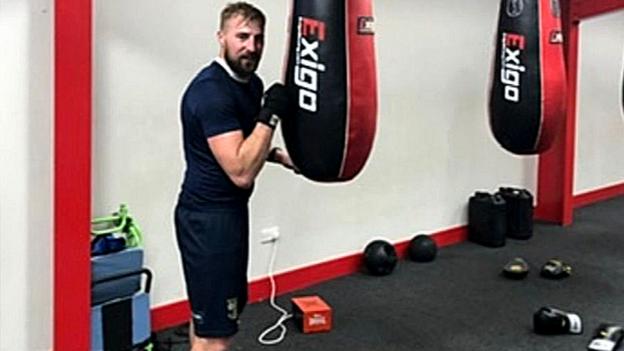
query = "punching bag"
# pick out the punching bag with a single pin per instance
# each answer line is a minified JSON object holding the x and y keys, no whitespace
{"x":331,"y":75}
{"x":528,"y":83}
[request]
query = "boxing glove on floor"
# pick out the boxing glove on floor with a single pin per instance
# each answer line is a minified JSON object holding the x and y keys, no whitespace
{"x":517,"y":268}
{"x":606,"y":338}
{"x":556,"y":269}
{"x":553,"y":321}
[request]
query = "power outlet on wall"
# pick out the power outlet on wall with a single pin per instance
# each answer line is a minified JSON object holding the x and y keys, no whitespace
{"x":269,"y":235}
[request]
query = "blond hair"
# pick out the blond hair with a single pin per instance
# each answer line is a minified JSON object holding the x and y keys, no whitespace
{"x":244,"y":9}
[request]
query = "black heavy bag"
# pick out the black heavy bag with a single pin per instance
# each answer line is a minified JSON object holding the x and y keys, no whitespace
{"x":330,"y":73}
{"x":528,"y":83}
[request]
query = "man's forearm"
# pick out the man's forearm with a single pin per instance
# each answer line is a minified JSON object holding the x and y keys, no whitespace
{"x":253,"y":152}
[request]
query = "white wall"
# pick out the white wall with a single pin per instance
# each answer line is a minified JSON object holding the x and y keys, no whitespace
{"x":25,"y":175}
{"x":433,"y":147}
{"x":600,"y":136}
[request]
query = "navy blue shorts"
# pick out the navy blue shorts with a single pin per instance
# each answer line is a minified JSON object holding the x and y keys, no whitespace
{"x":214,"y":246}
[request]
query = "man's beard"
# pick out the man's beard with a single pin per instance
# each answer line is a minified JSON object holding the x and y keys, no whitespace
{"x":245,"y":65}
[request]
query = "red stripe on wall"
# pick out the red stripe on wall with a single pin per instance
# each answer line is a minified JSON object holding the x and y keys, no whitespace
{"x":304,"y":277}
{"x":597,"y":195}
{"x":72,"y":175}
{"x":171,"y":315}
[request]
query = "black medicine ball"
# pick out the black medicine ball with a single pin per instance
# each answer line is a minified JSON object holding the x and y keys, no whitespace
{"x":380,"y":257}
{"x":422,"y":248}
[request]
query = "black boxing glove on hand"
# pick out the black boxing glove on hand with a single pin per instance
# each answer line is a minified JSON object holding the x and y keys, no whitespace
{"x":275,"y":105}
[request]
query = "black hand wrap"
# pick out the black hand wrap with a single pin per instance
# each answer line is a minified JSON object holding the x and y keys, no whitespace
{"x":275,"y":105}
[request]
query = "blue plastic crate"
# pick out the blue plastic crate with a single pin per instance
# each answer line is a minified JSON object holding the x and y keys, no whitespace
{"x":122,"y":323}
{"x":105,"y":266}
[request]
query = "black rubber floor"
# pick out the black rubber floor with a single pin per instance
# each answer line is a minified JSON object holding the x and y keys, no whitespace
{"x":460,"y":301}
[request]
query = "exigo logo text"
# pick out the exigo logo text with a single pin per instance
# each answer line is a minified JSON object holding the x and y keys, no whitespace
{"x":511,"y":65}
{"x":310,"y":33}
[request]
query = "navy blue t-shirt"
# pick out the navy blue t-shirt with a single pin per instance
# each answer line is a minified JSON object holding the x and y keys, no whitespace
{"x":214,"y":103}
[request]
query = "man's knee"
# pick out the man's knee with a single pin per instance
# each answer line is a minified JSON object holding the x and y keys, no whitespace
{"x":210,"y":344}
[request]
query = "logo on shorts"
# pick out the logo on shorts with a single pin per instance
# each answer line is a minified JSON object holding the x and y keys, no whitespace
{"x":198,"y":319}
{"x":232,"y":308}
{"x":514,"y":8}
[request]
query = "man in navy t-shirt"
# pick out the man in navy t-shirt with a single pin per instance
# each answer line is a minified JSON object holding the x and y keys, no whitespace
{"x":227,"y":133}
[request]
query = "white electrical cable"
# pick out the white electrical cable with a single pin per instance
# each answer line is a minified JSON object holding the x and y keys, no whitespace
{"x":285,"y":315}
